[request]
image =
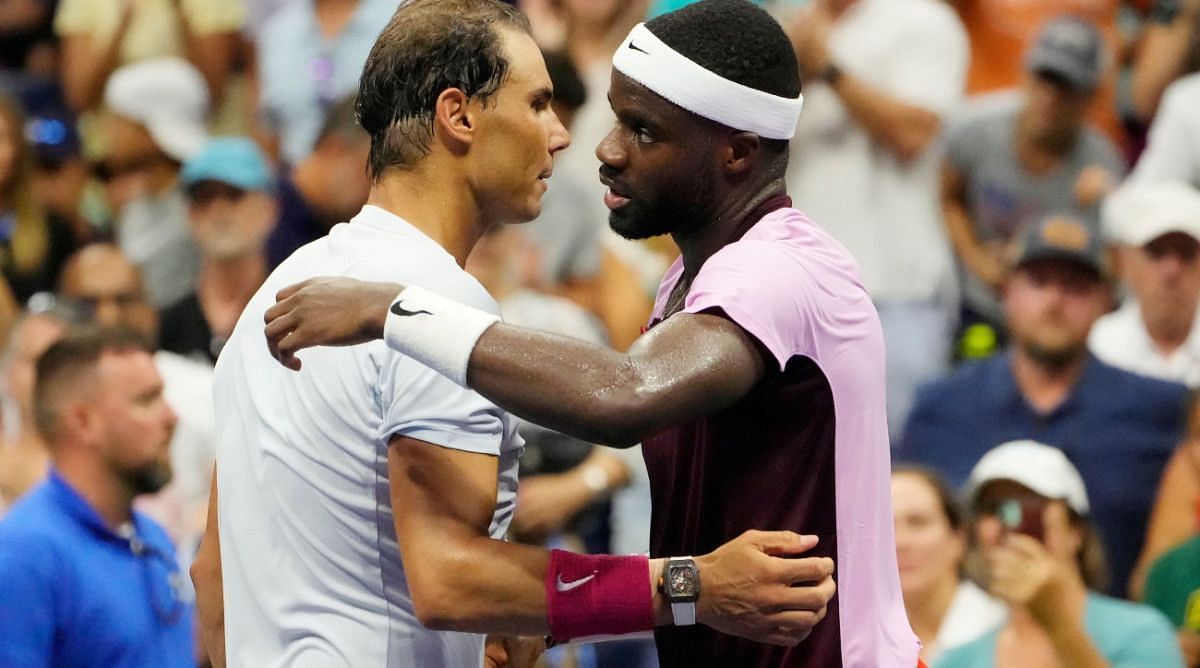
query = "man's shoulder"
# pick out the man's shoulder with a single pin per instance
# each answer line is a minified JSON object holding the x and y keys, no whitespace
{"x":368,"y":253}
{"x":961,"y":386}
{"x":986,"y":113}
{"x":35,"y":531}
{"x":1135,"y":388}
{"x":1113,"y":333}
{"x":1097,"y":147}
{"x":1184,"y":91}
{"x":787,"y":249}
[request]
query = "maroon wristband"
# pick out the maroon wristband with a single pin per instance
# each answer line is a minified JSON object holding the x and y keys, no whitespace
{"x":598,"y":594}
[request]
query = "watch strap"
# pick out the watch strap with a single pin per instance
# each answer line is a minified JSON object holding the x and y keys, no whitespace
{"x":684,"y":614}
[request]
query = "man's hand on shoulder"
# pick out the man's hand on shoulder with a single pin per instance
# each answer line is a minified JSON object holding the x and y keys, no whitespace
{"x":756,"y":587}
{"x":326,"y":312}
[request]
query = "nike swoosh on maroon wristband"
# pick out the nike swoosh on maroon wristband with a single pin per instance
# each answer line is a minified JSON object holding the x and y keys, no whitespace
{"x":562,"y":587}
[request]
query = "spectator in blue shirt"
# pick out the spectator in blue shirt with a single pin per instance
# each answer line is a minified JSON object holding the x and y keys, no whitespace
{"x":1118,"y":428}
{"x":85,"y":580}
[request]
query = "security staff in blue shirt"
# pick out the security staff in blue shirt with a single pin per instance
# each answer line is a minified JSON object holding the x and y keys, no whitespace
{"x":85,"y":580}
{"x":1116,"y":427}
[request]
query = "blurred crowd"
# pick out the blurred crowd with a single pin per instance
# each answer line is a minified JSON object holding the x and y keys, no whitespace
{"x":1019,"y":181}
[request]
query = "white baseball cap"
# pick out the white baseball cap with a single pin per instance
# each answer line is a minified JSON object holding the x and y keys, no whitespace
{"x":166,"y":95}
{"x":1139,"y":213}
{"x":1041,"y":468}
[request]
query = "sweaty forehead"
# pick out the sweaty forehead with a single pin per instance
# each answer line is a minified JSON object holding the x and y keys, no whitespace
{"x":526,"y":67}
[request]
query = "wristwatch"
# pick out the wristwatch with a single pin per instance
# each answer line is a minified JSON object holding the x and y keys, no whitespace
{"x":680,"y":585}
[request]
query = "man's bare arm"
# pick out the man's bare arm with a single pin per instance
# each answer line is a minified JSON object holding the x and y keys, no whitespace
{"x":688,"y":366}
{"x":959,"y":230}
{"x":462,"y":580}
{"x":206,"y":576}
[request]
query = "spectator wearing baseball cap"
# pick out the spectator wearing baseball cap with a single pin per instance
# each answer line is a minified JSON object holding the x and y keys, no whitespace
{"x":157,"y":120}
{"x":1013,"y":159}
{"x":1154,"y":333}
{"x":232,"y":210}
{"x":1117,"y":427}
{"x":1036,"y":549}
{"x":1069,"y":51}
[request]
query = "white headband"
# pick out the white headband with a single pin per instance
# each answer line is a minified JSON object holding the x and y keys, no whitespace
{"x":650,"y":62}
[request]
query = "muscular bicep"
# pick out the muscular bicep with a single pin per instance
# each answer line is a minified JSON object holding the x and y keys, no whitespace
{"x":439,"y":494}
{"x":443,"y":501}
{"x":698,"y":363}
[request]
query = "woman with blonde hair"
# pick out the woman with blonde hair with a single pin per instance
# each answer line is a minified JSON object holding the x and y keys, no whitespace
{"x":33,"y":243}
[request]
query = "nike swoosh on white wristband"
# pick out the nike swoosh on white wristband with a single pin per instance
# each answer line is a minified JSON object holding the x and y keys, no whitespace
{"x":561,"y":586}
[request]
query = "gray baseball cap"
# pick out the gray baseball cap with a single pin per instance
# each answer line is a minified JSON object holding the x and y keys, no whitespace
{"x":1064,"y":237}
{"x":1070,"y":49}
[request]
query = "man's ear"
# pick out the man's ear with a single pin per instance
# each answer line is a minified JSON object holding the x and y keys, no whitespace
{"x":454,"y":119}
{"x":79,"y":420}
{"x":741,"y":153}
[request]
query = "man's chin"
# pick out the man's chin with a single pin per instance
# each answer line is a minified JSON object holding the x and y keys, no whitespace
{"x":1056,"y":354}
{"x":631,"y":227}
{"x":150,"y":479}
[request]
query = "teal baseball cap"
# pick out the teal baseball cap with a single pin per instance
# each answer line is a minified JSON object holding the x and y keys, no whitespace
{"x":234,"y":161}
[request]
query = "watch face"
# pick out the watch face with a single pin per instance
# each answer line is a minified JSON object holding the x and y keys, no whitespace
{"x":683,"y":581}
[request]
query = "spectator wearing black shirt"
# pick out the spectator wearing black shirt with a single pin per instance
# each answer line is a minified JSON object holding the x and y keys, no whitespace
{"x":231,"y":212}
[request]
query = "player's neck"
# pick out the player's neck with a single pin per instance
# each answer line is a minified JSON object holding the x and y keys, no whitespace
{"x":727,"y":223}
{"x":435,"y":206}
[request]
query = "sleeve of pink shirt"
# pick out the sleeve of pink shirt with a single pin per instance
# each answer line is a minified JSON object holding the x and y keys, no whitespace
{"x":760,"y":288}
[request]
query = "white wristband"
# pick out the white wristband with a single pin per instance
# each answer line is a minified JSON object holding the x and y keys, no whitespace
{"x":437,"y":332}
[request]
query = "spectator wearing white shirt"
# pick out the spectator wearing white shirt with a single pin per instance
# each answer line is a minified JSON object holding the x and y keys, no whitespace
{"x":865,"y":164}
{"x":1154,"y":332}
{"x":1173,"y":146}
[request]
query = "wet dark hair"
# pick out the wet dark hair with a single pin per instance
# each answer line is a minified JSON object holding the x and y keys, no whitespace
{"x":426,"y":48}
{"x":738,"y":41}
